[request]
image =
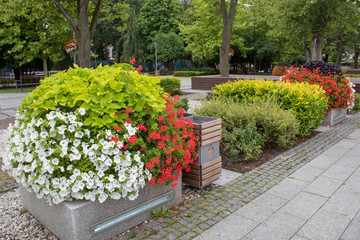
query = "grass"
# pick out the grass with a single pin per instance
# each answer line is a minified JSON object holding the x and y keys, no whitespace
{"x":353,"y":75}
{"x":13,"y":90}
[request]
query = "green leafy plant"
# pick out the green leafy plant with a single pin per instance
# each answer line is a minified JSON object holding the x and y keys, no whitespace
{"x":245,"y":140}
{"x":307,"y":102}
{"x":163,"y":212}
{"x":190,"y":73}
{"x":356,"y":102}
{"x":183,"y":103}
{"x":171,"y":85}
{"x":249,"y":126}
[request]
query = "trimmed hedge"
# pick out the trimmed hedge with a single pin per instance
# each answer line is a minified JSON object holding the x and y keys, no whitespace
{"x":171,"y":85}
{"x":307,"y":102}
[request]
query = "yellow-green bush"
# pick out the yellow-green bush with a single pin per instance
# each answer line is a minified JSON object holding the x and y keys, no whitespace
{"x":307,"y":102}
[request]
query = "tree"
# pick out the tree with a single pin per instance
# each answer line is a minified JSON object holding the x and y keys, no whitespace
{"x":157,"y":16}
{"x":228,"y":20}
{"x":170,"y":47}
{"x":31,"y":30}
{"x":83,"y":30}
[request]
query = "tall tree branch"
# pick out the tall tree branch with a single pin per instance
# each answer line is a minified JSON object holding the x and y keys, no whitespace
{"x":95,"y":17}
{"x":224,"y":11}
{"x":67,"y":16}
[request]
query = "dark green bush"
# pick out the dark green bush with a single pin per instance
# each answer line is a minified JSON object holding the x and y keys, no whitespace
{"x":171,"y":85}
{"x":276,"y":126}
{"x":245,"y":140}
{"x":356,"y":102}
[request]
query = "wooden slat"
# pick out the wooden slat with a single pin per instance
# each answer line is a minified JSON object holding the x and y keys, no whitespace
{"x":211,"y":173}
{"x":210,"y":124}
{"x":209,"y":180}
{"x":210,"y":129}
{"x":210,"y":135}
{"x":210,"y":163}
{"x":211,"y":168}
{"x":212,"y":140}
{"x":191,"y":181}
{"x":194,"y":171}
{"x":192,"y":176}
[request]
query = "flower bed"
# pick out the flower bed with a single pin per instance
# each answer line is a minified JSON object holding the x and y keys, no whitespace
{"x":97,"y":134}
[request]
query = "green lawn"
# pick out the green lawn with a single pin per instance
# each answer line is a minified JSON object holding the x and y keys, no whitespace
{"x":13,"y":90}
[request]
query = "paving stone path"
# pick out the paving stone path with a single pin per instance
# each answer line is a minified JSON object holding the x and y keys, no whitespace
{"x":216,"y":205}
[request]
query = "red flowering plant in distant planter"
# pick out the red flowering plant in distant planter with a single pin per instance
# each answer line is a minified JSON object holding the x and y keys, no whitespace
{"x":338,"y":88}
{"x":71,"y":45}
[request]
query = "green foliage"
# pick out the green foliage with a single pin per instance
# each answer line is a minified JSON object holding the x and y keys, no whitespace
{"x":356,"y":102}
{"x":307,"y":102}
{"x":101,"y":92}
{"x":163,"y":212}
{"x":245,"y":140}
{"x":252,"y":124}
{"x":170,"y":46}
{"x":163,"y":71}
{"x":190,"y":73}
{"x":171,"y":85}
{"x":31,"y":30}
{"x":183,"y":103}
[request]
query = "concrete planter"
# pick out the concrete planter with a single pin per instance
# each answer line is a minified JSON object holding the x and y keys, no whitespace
{"x":80,"y":219}
{"x":334,"y":117}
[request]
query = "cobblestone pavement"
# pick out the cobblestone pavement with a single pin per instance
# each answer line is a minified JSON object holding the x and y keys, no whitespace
{"x":202,"y":213}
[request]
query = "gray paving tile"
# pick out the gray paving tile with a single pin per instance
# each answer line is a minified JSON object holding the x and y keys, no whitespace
{"x":307,"y":173}
{"x":304,"y":205}
{"x":339,"y":172}
{"x":323,"y":161}
{"x":298,"y":237}
{"x":354,"y":135}
{"x":278,"y":226}
{"x":344,"y":202}
{"x":353,"y":230}
{"x":324,"y":186}
{"x":288,"y":188}
{"x":232,"y":227}
{"x":350,"y":160}
{"x":325,"y":225}
{"x":357,"y":172}
{"x":353,"y":183}
{"x":261,"y":208}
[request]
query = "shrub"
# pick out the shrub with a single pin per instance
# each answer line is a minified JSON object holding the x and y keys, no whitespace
{"x":245,"y":140}
{"x":190,"y":73}
{"x":307,"y":102}
{"x":356,"y":102}
{"x":183,"y":103}
{"x":323,"y":68}
{"x":338,"y":88}
{"x":274,"y":126}
{"x":163,"y":71}
{"x":98,"y":133}
{"x":171,"y":85}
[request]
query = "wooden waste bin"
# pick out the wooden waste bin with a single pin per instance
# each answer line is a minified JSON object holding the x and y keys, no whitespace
{"x":208,"y":167}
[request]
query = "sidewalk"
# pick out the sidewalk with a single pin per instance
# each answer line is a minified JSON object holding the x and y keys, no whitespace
{"x":321,"y":200}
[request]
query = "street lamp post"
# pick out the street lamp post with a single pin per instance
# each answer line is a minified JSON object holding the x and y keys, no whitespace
{"x":156,"y":70}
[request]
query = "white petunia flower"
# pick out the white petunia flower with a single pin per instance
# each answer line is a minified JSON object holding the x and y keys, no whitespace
{"x":82,"y":111}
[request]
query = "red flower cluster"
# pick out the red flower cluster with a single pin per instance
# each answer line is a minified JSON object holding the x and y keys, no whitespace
{"x":166,"y":140}
{"x":70,"y":45}
{"x":279,"y":70}
{"x":337,"y":88}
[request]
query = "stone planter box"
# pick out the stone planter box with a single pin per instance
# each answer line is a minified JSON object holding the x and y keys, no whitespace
{"x":81,"y":219}
{"x":208,"y":167}
{"x":334,"y":117}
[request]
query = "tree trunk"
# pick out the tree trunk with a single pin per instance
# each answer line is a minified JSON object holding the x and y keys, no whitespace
{"x":339,"y":48}
{"x":228,"y":20}
{"x":45,"y":67}
{"x":316,"y":44}
{"x":84,"y":34}
{"x":356,"y":58}
{"x":306,"y":50}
